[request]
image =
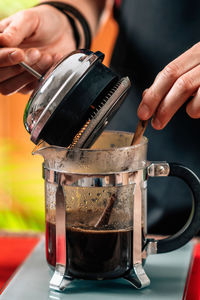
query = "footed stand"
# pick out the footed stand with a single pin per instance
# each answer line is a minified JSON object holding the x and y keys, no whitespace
{"x":137,"y":277}
{"x":58,"y":281}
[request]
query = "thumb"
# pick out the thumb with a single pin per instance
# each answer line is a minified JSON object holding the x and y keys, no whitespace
{"x":21,"y":26}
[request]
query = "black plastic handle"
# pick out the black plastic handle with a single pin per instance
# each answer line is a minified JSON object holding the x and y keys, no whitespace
{"x":191,"y":228}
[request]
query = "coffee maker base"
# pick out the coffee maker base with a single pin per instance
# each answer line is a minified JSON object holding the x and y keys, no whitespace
{"x":59,"y":282}
{"x":137,"y":278}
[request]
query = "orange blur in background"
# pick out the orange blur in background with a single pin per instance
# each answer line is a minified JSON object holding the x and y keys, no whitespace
{"x":21,"y":184}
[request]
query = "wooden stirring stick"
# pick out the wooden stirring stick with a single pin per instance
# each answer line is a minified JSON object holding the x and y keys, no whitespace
{"x":104,"y":218}
{"x":142,"y":125}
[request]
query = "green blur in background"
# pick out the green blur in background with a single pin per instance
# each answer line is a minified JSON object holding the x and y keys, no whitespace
{"x":21,"y":189}
{"x":8,"y":7}
{"x":21,"y":184}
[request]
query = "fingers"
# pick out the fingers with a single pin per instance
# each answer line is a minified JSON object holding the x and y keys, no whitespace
{"x":9,"y":72}
{"x":29,"y":88}
{"x":193,"y":107}
{"x":11,"y":56}
{"x":4,"y":23}
{"x":44,"y":64}
{"x":31,"y":57}
{"x":171,"y":88}
{"x":17,"y":28}
{"x":23,"y":79}
{"x":183,"y":88}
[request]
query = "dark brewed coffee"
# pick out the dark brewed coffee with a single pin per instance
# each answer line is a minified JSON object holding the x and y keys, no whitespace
{"x":93,"y":253}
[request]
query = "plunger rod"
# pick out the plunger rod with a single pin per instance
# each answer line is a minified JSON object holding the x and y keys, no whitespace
{"x":31,"y":70}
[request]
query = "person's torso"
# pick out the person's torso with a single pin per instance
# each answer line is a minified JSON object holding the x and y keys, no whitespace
{"x":151,"y":34}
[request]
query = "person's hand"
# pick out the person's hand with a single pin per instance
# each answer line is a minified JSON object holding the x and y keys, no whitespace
{"x":172,"y":87}
{"x":38,"y":36}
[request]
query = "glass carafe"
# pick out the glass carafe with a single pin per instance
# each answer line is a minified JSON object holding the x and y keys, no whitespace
{"x":96,"y":210}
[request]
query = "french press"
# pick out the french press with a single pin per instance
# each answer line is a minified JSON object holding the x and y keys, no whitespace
{"x":95,"y":186}
{"x":77,"y":93}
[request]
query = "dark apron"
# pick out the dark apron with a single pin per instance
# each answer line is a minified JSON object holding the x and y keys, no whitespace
{"x":153,"y":33}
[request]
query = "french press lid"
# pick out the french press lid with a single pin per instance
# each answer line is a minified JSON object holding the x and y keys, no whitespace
{"x":74,"y":101}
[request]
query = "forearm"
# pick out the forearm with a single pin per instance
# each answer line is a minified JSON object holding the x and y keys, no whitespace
{"x":91,"y":10}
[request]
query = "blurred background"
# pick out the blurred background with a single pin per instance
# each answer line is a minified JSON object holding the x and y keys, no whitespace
{"x":21,"y":183}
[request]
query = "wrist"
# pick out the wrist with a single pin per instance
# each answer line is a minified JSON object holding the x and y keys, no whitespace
{"x":59,"y":29}
{"x":79,"y":25}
